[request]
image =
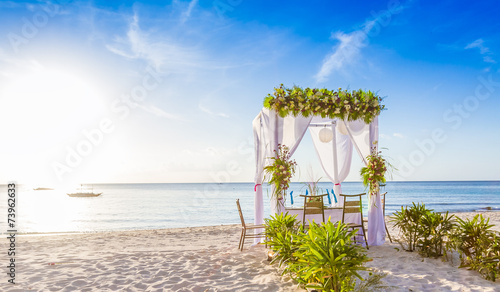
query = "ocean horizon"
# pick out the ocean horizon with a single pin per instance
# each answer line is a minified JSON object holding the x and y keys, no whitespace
{"x":143,"y":206}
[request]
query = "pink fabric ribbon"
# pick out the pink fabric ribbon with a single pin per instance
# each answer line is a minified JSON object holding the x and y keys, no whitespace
{"x":255,"y":188}
{"x":337,"y":184}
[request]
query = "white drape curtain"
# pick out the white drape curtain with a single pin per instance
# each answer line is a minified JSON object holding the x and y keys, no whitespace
{"x":289,"y":131}
{"x":269,"y":131}
{"x":325,"y":154}
{"x":365,"y":137}
{"x":260,"y":124}
{"x":376,"y":223}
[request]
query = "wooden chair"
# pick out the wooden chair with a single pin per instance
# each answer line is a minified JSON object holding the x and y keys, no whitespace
{"x":382,"y":200}
{"x":313,"y":205}
{"x":353,"y":205}
{"x":247,"y":231}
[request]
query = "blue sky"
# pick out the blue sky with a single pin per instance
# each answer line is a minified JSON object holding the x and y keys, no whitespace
{"x":166,"y":91}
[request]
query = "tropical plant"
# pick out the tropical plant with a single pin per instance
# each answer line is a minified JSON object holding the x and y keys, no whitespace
{"x":327,"y":259}
{"x":342,"y":104}
{"x":281,"y":234}
{"x":373,"y":283}
{"x":490,"y":265}
{"x":436,"y":234}
{"x":434,"y":230}
{"x":477,"y":245}
{"x":408,"y":220}
{"x":280,"y":171}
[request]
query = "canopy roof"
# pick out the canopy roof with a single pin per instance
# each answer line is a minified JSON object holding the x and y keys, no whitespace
{"x":341,"y":104}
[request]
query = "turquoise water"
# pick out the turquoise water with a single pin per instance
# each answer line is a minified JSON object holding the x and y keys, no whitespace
{"x":157,"y":206}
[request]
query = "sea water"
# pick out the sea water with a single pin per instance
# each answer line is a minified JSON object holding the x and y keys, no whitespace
{"x":158,"y":206}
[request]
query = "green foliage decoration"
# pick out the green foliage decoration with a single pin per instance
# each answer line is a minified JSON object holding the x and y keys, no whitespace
{"x":280,"y":172}
{"x":374,"y":173}
{"x":342,"y":104}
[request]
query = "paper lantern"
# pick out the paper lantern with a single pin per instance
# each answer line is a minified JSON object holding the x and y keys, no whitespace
{"x":342,"y":128}
{"x":325,"y":135}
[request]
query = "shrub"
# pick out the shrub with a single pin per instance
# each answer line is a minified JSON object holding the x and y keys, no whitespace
{"x":490,"y":266}
{"x":434,"y":230}
{"x":436,"y":234}
{"x":409,"y":222}
{"x":477,"y":245}
{"x":327,"y":259}
{"x":281,"y":231}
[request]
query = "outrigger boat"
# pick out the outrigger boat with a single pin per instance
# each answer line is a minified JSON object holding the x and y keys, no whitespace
{"x":84,"y":192}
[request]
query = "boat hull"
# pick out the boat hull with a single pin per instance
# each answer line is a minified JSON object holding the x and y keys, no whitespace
{"x":81,"y":195}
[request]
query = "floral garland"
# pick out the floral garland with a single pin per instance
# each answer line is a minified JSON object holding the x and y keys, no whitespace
{"x":281,"y":170}
{"x":374,"y":173}
{"x":341,"y":104}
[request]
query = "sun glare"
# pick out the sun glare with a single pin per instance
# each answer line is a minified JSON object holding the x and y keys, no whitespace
{"x":52,"y":102}
{"x":42,"y":110}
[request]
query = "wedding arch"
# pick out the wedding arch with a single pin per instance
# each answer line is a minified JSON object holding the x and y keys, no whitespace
{"x":351,"y":118}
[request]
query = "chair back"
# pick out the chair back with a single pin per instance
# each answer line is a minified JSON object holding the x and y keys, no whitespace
{"x":241,"y":213}
{"x":313,"y":205}
{"x":382,"y":200}
{"x":352,"y":204}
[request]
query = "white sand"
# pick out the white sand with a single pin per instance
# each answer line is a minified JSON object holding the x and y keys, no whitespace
{"x":198,"y":259}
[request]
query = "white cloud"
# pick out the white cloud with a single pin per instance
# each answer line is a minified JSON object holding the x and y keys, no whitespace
{"x":159,"y":112}
{"x":345,"y":52}
{"x":160,"y":50}
{"x":187,"y":13}
{"x":29,"y":64}
{"x":350,"y":44}
{"x":478,"y":44}
{"x":488,"y":59}
{"x":483,"y":50}
{"x":398,"y":135}
{"x":208,"y":111}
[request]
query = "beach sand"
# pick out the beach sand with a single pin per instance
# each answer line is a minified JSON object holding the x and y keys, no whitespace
{"x":200,"y":259}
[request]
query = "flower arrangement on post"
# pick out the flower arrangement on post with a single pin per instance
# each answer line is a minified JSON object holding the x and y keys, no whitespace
{"x":280,"y":170}
{"x":374,"y":173}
